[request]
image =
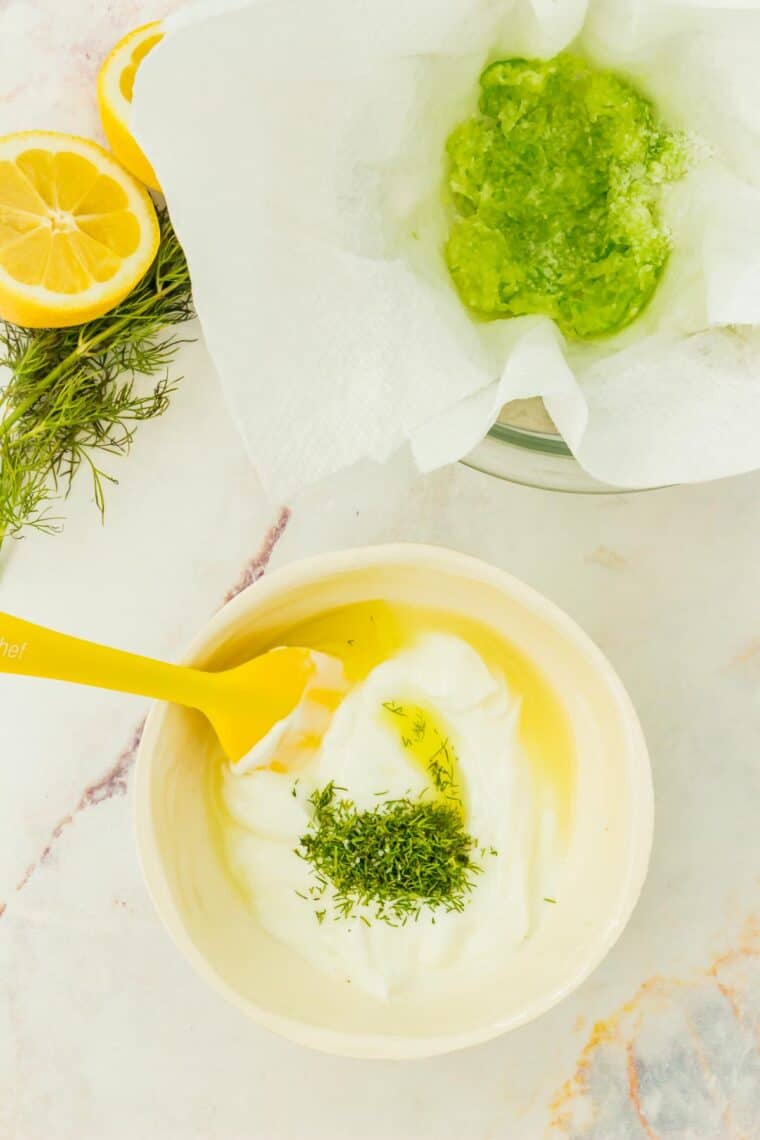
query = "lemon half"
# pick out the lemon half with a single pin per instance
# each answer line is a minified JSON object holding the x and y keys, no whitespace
{"x":116,"y":82}
{"x":77,"y":232}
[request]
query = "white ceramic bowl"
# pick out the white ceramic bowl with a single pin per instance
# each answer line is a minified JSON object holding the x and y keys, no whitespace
{"x":608,"y":849}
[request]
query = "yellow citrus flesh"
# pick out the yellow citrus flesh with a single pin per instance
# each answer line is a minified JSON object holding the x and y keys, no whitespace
{"x":115,"y":87}
{"x":77,"y":232}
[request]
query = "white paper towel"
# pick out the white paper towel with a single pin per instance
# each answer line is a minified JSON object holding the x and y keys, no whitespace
{"x":300,"y":144}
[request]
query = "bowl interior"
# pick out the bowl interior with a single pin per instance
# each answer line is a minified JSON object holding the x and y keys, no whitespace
{"x":608,"y":844}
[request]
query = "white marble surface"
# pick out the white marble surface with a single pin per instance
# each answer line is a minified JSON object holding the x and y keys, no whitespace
{"x":105,"y":1034}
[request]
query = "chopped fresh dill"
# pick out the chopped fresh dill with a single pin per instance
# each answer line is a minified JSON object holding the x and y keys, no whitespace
{"x":402,"y":857}
{"x":441,"y":768}
{"x":442,"y":762}
{"x":395,"y":708}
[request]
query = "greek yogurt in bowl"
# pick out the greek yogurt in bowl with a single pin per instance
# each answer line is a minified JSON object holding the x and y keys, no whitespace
{"x":436,"y":845}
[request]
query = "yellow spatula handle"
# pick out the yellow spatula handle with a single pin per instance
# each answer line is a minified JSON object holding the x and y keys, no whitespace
{"x":34,"y":651}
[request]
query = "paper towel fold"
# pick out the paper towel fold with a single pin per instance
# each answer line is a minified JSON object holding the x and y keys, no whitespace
{"x":300,"y":144}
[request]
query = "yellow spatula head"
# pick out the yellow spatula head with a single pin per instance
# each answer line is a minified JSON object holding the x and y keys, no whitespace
{"x":254,"y":697}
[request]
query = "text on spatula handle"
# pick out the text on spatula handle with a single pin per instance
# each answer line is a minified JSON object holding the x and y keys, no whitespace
{"x":12,"y":650}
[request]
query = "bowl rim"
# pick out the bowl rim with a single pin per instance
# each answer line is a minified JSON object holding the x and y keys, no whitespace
{"x":382,"y":1045}
{"x":550,"y":443}
{"x":540,"y":460}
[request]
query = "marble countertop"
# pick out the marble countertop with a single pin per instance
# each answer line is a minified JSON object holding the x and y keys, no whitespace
{"x":105,"y":1034}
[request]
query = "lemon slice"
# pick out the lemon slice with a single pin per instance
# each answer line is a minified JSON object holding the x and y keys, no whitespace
{"x":77,"y":232}
{"x":116,"y":83}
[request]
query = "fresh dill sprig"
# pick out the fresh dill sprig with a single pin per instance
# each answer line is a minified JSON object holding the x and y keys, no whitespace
{"x":401,"y":857}
{"x":70,"y":395}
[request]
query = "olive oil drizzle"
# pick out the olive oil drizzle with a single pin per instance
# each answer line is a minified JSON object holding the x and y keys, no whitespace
{"x":426,"y":739}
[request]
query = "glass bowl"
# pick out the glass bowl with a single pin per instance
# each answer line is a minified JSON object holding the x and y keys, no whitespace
{"x":523,"y":446}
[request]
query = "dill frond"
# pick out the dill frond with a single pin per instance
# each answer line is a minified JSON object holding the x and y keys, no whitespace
{"x":70,"y":395}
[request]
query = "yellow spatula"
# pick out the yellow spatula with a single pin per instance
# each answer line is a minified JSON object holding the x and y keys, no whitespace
{"x":242,"y":704}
